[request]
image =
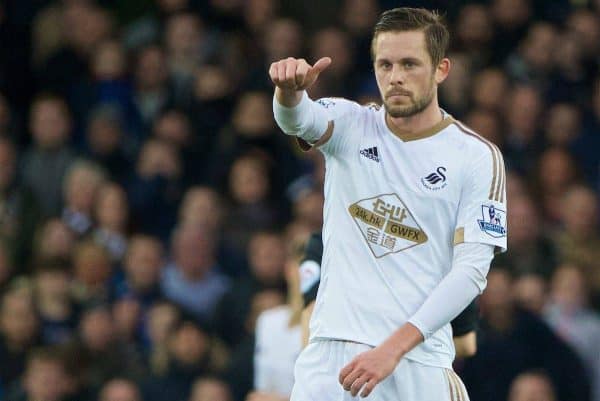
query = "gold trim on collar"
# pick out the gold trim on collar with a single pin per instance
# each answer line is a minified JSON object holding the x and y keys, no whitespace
{"x":423,"y":134}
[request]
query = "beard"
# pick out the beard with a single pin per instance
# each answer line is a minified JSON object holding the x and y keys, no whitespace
{"x":416,"y":105}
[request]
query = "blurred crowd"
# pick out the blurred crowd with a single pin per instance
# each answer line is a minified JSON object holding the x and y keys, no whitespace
{"x":150,"y":208}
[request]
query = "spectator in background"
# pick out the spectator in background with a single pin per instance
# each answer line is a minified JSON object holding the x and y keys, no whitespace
{"x":210,"y":108}
{"x":19,"y":331}
{"x":120,"y":390}
{"x":278,"y":339}
{"x":533,"y":61}
{"x":250,"y":207}
{"x":80,"y":187}
{"x":530,"y":293}
{"x":142,"y":266}
{"x":57,"y":313}
{"x":452,"y":93}
{"x":266,"y":257}
{"x":489,"y":89}
{"x":84,"y":26}
{"x":156,"y":188}
{"x":281,"y":37}
{"x":514,"y":341}
{"x":189,"y":358}
{"x":46,"y":377}
{"x":532,"y":386}
{"x":252,"y":129}
{"x":186,"y":48}
{"x":174,"y":127}
{"x":210,"y":389}
{"x":193,"y":279}
{"x":474,"y":31}
{"x":340,"y":79}
{"x":99,"y":353}
{"x":111,"y":214}
{"x":104,"y":141}
{"x":20,"y":213}
{"x":510,"y":19}
{"x":106,"y":86}
{"x":162,"y":318}
{"x":91,"y":273}
{"x":586,"y":27}
{"x":570,"y":317}
{"x":308,"y":207}
{"x":562,"y":125}
{"x":152,"y":89}
{"x":579,"y":240}
{"x":531,"y":252}
{"x":202,"y":205}
{"x":46,"y":162}
{"x":488,"y":125}
{"x":555,"y":173}
{"x":54,"y":240}
{"x":358,"y":18}
{"x":523,"y":107}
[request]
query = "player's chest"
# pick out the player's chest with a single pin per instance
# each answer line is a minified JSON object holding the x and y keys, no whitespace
{"x":414,"y":170}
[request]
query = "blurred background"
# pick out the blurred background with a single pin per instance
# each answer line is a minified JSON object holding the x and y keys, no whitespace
{"x":151,"y":211}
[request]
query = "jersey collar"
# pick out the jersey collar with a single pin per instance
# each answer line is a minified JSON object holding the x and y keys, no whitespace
{"x":440,"y":126}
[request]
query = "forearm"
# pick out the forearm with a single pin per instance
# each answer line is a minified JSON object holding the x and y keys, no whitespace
{"x":465,"y":281}
{"x":287,"y":97}
{"x":402,"y":341}
{"x":297,"y":115}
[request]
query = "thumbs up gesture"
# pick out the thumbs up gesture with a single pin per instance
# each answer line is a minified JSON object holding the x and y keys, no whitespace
{"x":293,"y":74}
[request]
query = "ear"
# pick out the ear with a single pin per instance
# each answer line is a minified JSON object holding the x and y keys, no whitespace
{"x":442,"y":71}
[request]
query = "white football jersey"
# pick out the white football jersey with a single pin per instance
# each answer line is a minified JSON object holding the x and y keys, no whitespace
{"x":394,"y":209}
{"x":276,"y":350}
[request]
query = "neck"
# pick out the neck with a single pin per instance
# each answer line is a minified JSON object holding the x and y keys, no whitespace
{"x":417,"y":123}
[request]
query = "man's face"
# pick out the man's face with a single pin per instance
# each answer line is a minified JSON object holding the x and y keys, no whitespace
{"x":405,"y":76}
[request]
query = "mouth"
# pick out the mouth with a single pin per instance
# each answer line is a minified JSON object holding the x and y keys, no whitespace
{"x":398,"y":95}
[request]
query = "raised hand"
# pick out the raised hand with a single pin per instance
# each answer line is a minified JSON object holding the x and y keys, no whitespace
{"x":293,"y":74}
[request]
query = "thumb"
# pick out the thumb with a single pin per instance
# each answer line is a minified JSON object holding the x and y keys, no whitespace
{"x":321,"y":65}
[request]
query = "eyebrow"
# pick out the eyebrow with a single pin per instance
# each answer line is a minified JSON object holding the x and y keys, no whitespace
{"x":402,"y":60}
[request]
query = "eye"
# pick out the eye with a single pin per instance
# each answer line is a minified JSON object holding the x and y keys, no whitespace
{"x":409,"y":64}
{"x":386,"y":65}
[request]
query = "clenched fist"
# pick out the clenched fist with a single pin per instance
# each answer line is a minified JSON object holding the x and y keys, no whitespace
{"x":293,"y":74}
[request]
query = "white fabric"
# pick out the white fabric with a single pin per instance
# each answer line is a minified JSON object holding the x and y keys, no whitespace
{"x":276,"y":350}
{"x":457,"y":290}
{"x":318,"y":367}
{"x":390,"y":215}
{"x":305,"y":121}
{"x":310,"y":274}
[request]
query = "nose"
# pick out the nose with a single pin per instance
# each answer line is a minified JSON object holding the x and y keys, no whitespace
{"x":397,"y":75}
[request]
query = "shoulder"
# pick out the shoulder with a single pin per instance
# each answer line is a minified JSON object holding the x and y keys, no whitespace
{"x":345,"y":107}
{"x":473,"y":142}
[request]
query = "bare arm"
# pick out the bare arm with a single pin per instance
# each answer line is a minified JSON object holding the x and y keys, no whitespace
{"x":466,"y":345}
{"x":304,"y":322}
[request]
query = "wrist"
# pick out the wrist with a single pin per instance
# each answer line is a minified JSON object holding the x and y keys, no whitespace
{"x":403,"y":340}
{"x":288,"y":97}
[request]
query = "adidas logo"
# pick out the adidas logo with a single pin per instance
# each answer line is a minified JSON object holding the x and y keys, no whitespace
{"x":371,"y":153}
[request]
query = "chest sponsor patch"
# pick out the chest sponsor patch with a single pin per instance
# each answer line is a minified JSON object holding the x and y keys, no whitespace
{"x":386,"y":224}
{"x":493,"y":221}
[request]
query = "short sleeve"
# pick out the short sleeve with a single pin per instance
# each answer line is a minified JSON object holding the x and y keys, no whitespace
{"x":482,"y":207}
